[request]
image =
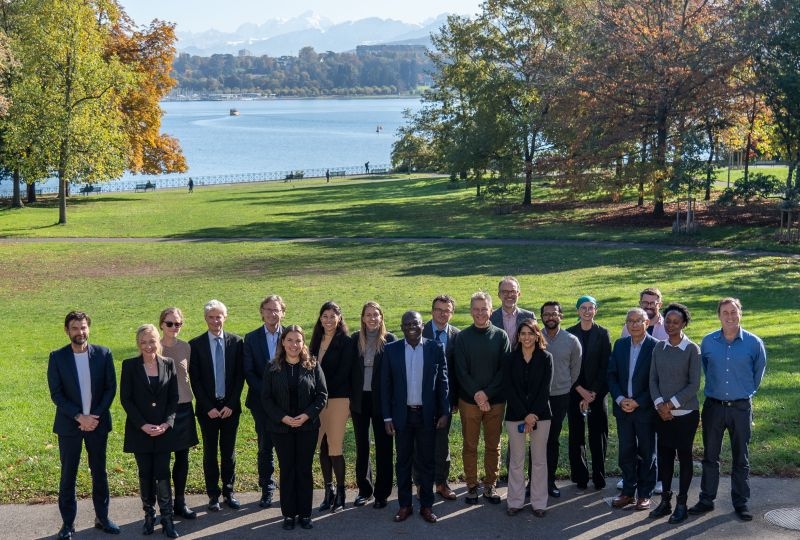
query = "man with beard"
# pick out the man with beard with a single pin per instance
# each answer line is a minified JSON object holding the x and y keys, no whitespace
{"x":82,"y":384}
{"x":650,"y":301}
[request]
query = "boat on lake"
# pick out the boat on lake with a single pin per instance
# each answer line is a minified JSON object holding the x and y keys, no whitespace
{"x":234,"y":112}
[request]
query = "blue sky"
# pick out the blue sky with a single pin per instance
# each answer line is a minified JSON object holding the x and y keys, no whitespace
{"x":227,"y":15}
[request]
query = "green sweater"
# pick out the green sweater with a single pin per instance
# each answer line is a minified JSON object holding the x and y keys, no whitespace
{"x":479,"y":353}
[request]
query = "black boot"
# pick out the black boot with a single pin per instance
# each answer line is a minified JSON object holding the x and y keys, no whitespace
{"x":338,"y":472}
{"x":665,"y":507}
{"x":327,"y":500}
{"x":338,"y":503}
{"x":681,"y":511}
{"x":148,"y":492}
{"x":164,"y":491}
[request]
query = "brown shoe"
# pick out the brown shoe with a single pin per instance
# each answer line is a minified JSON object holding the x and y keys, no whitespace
{"x":642,"y":503}
{"x":428,"y":515}
{"x":445,"y":492}
{"x":621,"y":501}
{"x":403,"y":513}
{"x":538,"y":512}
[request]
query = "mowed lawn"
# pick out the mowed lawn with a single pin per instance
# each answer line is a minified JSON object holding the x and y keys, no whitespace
{"x":126,"y":283}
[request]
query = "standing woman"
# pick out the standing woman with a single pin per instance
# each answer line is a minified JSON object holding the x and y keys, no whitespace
{"x":170,"y":321}
{"x":674,"y":383}
{"x":148,"y":391}
{"x":332,"y":348}
{"x":293,"y":395}
{"x":365,"y":408}
{"x":527,"y":373}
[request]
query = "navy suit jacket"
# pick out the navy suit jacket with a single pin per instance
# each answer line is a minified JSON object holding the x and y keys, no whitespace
{"x":394,"y":389}
{"x":201,"y":374}
{"x":619,"y":369}
{"x":65,"y":391}
{"x":452,"y":382}
{"x":254,"y":360}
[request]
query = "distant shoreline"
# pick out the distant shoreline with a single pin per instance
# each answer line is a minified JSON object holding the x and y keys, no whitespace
{"x":286,"y":98}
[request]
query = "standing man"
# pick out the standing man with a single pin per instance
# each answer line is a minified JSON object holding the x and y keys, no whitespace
{"x":733,"y":361}
{"x":414,"y":402}
{"x":509,"y":315}
{"x":479,"y":353}
{"x":566,"y":351}
{"x":650,"y":301}
{"x":629,"y":385}
{"x":215,"y":373}
{"x":82,"y":384}
{"x":591,"y":389}
{"x":444,"y":334}
{"x":260,"y":347}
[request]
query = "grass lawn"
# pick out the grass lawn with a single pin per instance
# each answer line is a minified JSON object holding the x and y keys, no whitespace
{"x":125,"y":284}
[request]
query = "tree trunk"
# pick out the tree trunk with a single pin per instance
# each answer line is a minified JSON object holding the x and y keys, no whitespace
{"x":31,"y":192}
{"x":710,"y":163}
{"x":526,"y":200}
{"x":640,"y":202}
{"x":660,"y":155}
{"x":16,"y":199}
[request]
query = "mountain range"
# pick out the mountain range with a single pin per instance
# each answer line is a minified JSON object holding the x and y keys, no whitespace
{"x":285,"y":37}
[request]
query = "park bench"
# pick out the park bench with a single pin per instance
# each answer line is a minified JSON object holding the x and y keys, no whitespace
{"x":379,"y":171}
{"x":338,"y":173}
{"x":144,"y":187}
{"x":91,"y":189}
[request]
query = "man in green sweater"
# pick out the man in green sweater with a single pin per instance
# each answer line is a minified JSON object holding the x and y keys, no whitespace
{"x":479,"y":352}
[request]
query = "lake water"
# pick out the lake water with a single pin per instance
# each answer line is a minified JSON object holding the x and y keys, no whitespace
{"x":276,"y":136}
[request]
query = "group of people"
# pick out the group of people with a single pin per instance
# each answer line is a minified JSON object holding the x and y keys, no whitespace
{"x":502,"y":370}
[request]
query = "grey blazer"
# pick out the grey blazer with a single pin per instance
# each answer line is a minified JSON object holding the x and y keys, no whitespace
{"x":496,"y":318}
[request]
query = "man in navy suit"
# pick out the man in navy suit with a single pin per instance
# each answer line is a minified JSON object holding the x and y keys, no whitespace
{"x":629,"y":386}
{"x":414,"y":403}
{"x":260,"y":347}
{"x":215,"y":373}
{"x":82,"y":385}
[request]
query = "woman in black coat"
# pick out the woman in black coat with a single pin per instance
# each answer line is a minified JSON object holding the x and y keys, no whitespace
{"x":293,"y":395}
{"x":148,"y":391}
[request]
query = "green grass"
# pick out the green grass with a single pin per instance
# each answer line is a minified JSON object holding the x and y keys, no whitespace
{"x":123,"y":285}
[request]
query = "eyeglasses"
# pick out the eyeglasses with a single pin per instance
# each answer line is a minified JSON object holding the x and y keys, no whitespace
{"x":645,"y":303}
{"x":637,"y":322}
{"x":170,"y":324}
{"x":551,"y":314}
{"x":507,"y":292}
{"x":440,"y":310}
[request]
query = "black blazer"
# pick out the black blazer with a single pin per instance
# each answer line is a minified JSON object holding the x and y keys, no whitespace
{"x":357,"y":396}
{"x":147,"y":405}
{"x":255,"y":358}
{"x":533,"y":398}
{"x":201,"y":374}
{"x":337,"y":364}
{"x":594,"y":364}
{"x":449,"y":356}
{"x":65,"y":391}
{"x":312,"y":394}
{"x":618,"y":370}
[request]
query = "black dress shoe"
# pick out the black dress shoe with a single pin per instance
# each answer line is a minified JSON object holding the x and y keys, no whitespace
{"x":232,"y":502}
{"x":744,"y":513}
{"x":554,"y":491}
{"x":288,"y":523}
{"x":66,"y":531}
{"x":181,"y":510}
{"x":361,"y":500}
{"x":379,"y":503}
{"x":266,"y":500}
{"x":213,"y":504}
{"x":305,"y":523}
{"x":701,"y":508}
{"x":107,"y":525}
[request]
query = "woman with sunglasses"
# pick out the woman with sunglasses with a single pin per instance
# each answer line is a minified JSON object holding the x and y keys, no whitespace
{"x":170,"y":321}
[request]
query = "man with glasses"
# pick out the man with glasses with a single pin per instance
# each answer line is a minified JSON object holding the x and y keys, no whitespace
{"x":509,"y":315}
{"x":650,"y":301}
{"x":629,"y":386}
{"x":260,"y":347}
{"x":441,"y":331}
{"x":566,"y":351}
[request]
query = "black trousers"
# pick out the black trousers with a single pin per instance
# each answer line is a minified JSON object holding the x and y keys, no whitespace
{"x":295,"y":451}
{"x":637,"y":453}
{"x":69,"y":449}
{"x":384,"y":450}
{"x":559,"y":405}
{"x":597,"y":419}
{"x":415,"y":446}
{"x":219,"y":435}
{"x":736,"y":420}
{"x":266,"y":457}
{"x":441,"y":456}
{"x":675,"y":437}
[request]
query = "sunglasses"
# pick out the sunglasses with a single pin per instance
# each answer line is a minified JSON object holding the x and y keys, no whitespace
{"x":170,"y":324}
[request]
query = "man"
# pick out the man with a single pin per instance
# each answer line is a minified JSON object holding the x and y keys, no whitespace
{"x":478,"y":357}
{"x":82,"y":384}
{"x":509,"y":315}
{"x":733,"y":361}
{"x":566,"y":351}
{"x":414,"y":403}
{"x":650,"y":301}
{"x":215,"y":373}
{"x":591,"y":388}
{"x":444,"y":334}
{"x":260,"y":347}
{"x":629,"y":385}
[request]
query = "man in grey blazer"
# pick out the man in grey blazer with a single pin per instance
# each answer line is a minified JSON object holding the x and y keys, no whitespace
{"x":509,"y":314}
{"x":82,"y":384}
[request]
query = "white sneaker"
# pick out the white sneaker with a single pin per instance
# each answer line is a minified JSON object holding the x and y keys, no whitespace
{"x":619,"y":484}
{"x":659,"y":489}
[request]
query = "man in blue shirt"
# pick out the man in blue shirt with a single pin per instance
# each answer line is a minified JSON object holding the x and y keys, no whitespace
{"x":733,"y":361}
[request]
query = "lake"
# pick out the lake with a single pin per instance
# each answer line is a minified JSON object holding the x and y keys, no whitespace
{"x":276,"y":136}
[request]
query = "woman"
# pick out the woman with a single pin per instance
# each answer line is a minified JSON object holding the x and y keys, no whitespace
{"x":148,"y":391}
{"x":293,"y":395}
{"x":170,"y":321}
{"x":674,"y":382}
{"x":365,"y":408}
{"x":332,"y":348}
{"x":527,"y":373}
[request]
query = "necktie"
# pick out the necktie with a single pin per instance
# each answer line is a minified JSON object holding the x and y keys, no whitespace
{"x":438,"y":335}
{"x":219,"y":369}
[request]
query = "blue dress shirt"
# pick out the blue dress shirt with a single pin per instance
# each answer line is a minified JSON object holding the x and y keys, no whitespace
{"x":733,"y":370}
